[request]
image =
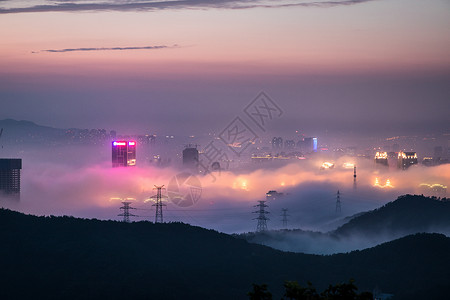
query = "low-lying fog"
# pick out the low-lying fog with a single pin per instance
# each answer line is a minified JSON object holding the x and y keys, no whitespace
{"x":79,"y":181}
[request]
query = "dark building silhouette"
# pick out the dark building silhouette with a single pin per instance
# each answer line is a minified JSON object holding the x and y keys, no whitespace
{"x":123,"y":153}
{"x":406,"y":159}
{"x":277,"y":143}
{"x":190,"y":157}
{"x":308,"y":145}
{"x":438,"y":153}
{"x":10,"y":175}
{"x":289,"y":144}
{"x":396,"y":148}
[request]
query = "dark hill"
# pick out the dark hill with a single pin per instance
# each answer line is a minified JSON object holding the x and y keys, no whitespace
{"x":68,"y":258}
{"x":407,"y":215}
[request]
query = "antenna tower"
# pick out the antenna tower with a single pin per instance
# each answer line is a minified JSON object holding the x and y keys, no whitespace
{"x":126,"y":211}
{"x":354,"y":177}
{"x":285,"y":217}
{"x":262,"y":224}
{"x":338,"y":202}
{"x":159,"y":205}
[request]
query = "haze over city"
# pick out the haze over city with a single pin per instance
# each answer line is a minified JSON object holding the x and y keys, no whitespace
{"x":328,"y":111}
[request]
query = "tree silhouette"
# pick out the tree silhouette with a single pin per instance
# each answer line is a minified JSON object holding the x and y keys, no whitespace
{"x":294,"y":291}
{"x":260,"y":292}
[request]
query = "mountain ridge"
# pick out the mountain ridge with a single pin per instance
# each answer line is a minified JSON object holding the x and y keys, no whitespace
{"x":68,"y":257}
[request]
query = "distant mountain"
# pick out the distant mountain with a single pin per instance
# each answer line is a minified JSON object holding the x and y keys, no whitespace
{"x":69,"y":258}
{"x":25,"y":131}
{"x":407,"y":215}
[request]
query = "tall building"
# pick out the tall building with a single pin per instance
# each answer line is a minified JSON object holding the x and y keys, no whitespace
{"x":381,"y":158}
{"x":277,"y":143}
{"x":190,"y":157}
{"x":289,"y":144}
{"x":406,"y":159}
{"x":123,"y":153}
{"x":308,"y":145}
{"x":10,"y":175}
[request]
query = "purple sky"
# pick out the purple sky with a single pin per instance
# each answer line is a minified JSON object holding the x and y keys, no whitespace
{"x":363,"y":66}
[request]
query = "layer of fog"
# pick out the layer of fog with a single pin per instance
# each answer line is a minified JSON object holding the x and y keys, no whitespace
{"x":79,"y":181}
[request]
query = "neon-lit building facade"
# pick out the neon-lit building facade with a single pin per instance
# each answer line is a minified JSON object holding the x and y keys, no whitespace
{"x":406,"y":159}
{"x":10,"y":176}
{"x":123,"y":153}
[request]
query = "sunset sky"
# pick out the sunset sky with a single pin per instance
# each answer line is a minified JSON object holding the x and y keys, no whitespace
{"x":152,"y":66}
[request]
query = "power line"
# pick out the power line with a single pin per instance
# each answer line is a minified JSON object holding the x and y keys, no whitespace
{"x":126,"y":211}
{"x":338,"y":202}
{"x":285,"y":217}
{"x":159,"y":205}
{"x":262,"y":219}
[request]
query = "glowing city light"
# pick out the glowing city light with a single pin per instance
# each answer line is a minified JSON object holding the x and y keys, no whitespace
{"x":132,"y":143}
{"x":435,"y":185}
{"x":348,"y":165}
{"x":407,"y":155}
{"x":327,"y":165}
{"x":381,"y":155}
{"x":119,"y":143}
{"x":388,"y":183}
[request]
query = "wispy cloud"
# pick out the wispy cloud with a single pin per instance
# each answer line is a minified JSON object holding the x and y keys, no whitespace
{"x":9,"y":7}
{"x":105,"y":49}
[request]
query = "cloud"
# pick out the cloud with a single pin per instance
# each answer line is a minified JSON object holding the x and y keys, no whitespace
{"x":74,"y":6}
{"x":105,"y":49}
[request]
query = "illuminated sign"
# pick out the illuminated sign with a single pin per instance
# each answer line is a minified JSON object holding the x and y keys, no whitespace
{"x":132,"y":143}
{"x":119,"y":143}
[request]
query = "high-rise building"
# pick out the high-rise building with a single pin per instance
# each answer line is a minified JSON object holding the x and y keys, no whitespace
{"x":308,"y":145}
{"x":381,"y":158}
{"x":289,"y":144}
{"x":406,"y":159}
{"x":123,"y":153}
{"x":190,"y":157}
{"x":277,"y":143}
{"x":10,"y":175}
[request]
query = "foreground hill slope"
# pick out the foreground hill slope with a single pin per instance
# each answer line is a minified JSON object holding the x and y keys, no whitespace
{"x":409,"y":214}
{"x":65,"y":257}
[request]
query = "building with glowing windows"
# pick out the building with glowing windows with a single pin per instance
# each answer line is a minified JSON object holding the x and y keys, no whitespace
{"x":381,"y":158}
{"x":10,"y":176}
{"x":123,"y":153}
{"x":406,"y":159}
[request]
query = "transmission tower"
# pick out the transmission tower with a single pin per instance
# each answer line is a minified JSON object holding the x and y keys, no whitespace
{"x":262,"y":224}
{"x":338,"y":202}
{"x":126,"y":212}
{"x":285,"y":217}
{"x":354,"y":177}
{"x":158,"y":203}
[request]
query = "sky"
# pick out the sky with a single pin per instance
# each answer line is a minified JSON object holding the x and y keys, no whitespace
{"x":146,"y":66}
